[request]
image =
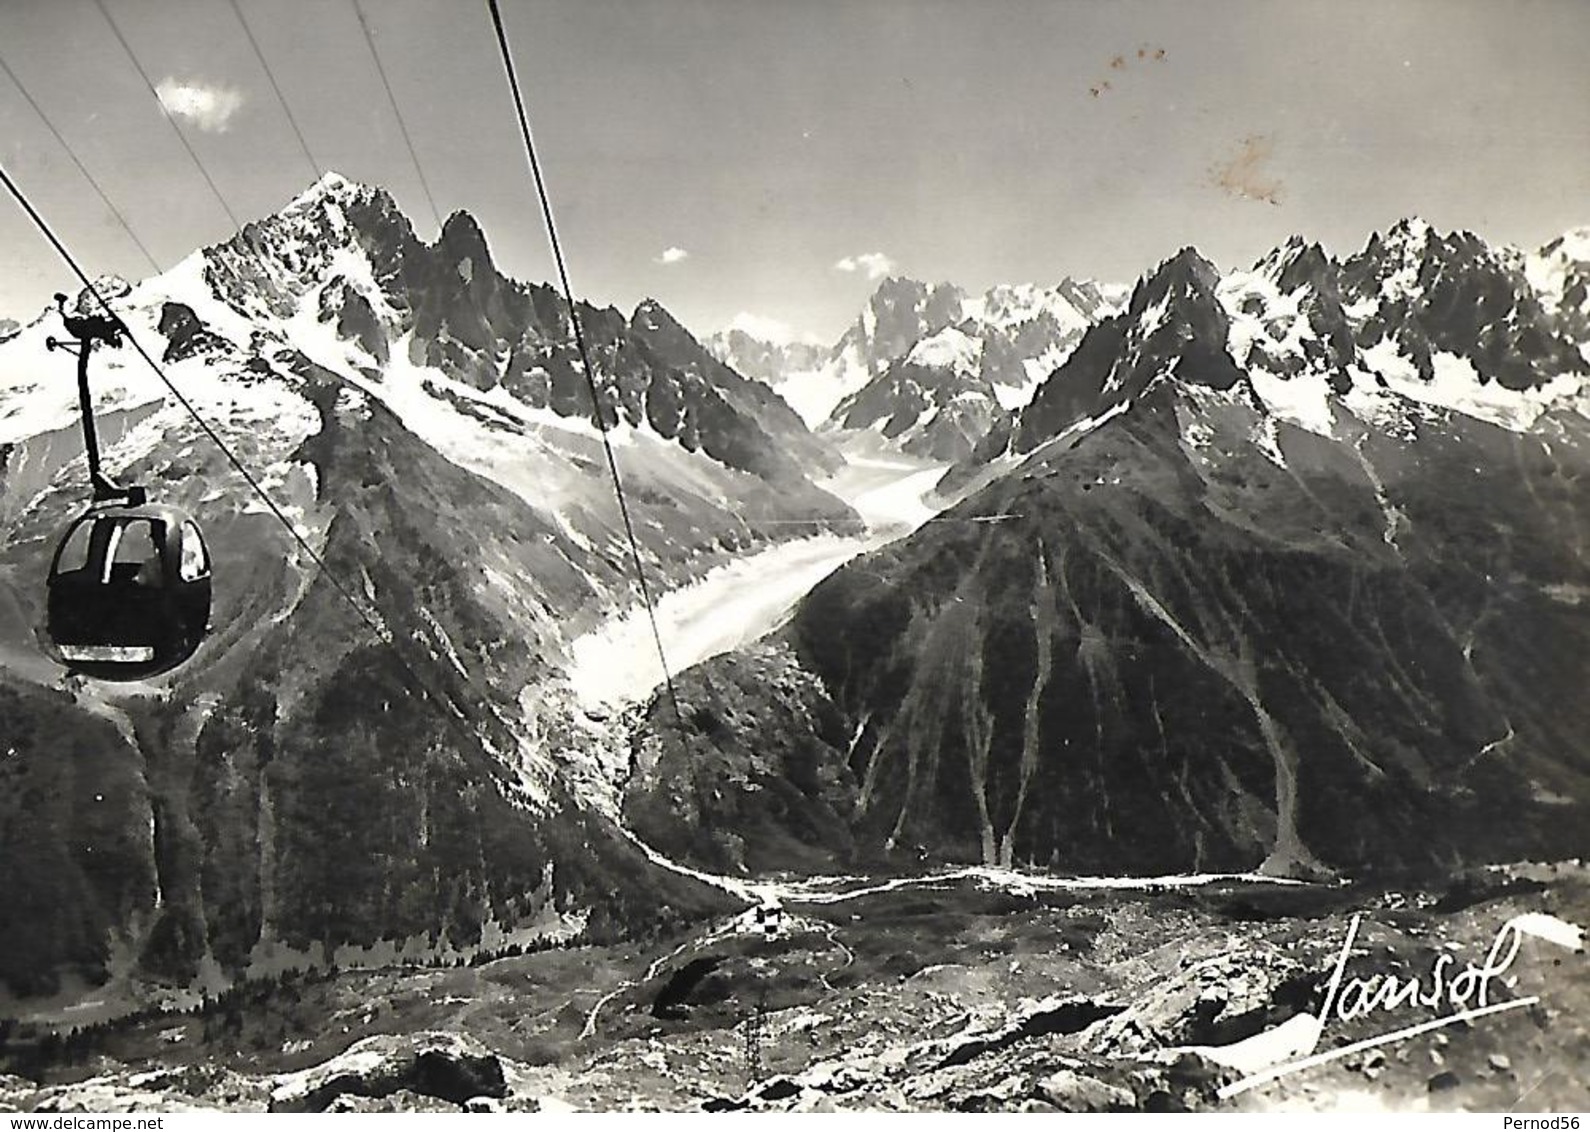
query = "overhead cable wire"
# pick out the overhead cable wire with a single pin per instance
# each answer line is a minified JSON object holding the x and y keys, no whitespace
{"x":579,"y":339}
{"x":155,"y":94}
{"x":369,"y":39}
{"x":280,"y":97}
{"x":81,"y":168}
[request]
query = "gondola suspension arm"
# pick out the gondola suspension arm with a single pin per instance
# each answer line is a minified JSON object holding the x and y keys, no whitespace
{"x":90,"y":331}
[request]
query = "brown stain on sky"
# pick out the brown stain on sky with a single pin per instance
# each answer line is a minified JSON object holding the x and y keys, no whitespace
{"x":1118,"y":63}
{"x":1244,"y":175}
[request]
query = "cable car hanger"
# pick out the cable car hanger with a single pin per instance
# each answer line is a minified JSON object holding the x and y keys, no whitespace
{"x":91,"y":330}
{"x":129,"y":588}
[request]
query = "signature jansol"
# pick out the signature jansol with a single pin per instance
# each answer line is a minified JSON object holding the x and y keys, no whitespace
{"x":1458,"y":994}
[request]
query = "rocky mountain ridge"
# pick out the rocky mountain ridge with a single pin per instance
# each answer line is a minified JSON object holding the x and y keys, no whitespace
{"x":309,"y":789}
{"x":1279,"y":566}
{"x":930,"y":367}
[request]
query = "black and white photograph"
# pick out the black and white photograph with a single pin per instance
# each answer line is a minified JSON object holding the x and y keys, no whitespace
{"x":762,"y":556}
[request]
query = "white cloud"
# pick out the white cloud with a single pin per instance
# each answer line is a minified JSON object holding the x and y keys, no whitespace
{"x":208,"y":106}
{"x":671,"y":256}
{"x":772,"y":330}
{"x":874,"y":265}
{"x":759,"y":326}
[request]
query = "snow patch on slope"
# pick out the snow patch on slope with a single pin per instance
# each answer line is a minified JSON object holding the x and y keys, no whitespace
{"x":1261,"y":315}
{"x":951,"y":348}
{"x":1304,"y":400}
{"x":815,"y":396}
{"x":1009,"y":305}
{"x":1457,"y":386}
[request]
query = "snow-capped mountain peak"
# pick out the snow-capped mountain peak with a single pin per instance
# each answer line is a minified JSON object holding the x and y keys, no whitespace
{"x":649,"y":315}
{"x":996,"y":345}
{"x":1411,"y":231}
{"x":1295,"y":263}
{"x":1417,"y":326}
{"x":331,"y":186}
{"x":337,"y":280}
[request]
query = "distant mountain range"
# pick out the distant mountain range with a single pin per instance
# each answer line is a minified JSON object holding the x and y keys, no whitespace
{"x":766,"y":360}
{"x":1278,"y":568}
{"x":1282,"y":569}
{"x":928,"y":367}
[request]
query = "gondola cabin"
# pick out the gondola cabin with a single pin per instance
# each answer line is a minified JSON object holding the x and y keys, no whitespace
{"x":129,"y":591}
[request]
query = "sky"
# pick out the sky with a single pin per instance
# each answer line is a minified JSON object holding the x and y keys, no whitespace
{"x":768,"y":161}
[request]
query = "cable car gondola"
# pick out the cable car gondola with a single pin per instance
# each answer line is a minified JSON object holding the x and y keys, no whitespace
{"x":129,"y":586}
{"x":129,"y":590}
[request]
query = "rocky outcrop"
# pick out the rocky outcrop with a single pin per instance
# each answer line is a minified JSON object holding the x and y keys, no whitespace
{"x":191,"y":1089}
{"x":744,"y":781}
{"x":447,"y":1067}
{"x":186,"y":334}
